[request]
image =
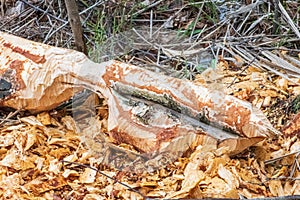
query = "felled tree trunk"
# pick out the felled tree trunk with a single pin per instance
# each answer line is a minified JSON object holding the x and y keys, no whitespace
{"x":39,"y":77}
{"x":76,"y":26}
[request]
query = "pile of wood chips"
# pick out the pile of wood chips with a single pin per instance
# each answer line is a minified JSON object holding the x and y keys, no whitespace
{"x":32,"y":151}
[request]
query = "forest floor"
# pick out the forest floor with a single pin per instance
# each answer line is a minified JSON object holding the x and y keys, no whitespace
{"x":248,"y":49}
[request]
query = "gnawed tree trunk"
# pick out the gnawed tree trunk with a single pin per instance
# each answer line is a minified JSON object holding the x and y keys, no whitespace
{"x":39,"y":77}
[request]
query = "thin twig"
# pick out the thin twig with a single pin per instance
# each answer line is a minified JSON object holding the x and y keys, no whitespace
{"x":43,"y":11}
{"x":107,"y":176}
{"x":289,"y":20}
{"x":146,"y":8}
{"x":49,"y":35}
{"x":195,"y":23}
{"x":212,"y":32}
{"x":151,"y":24}
{"x":244,"y":69}
{"x":270,"y":161}
{"x":9,"y":116}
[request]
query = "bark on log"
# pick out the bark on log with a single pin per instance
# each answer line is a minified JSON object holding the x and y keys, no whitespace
{"x":39,"y":77}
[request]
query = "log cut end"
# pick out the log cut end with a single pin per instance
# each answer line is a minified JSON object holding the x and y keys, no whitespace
{"x":33,"y":75}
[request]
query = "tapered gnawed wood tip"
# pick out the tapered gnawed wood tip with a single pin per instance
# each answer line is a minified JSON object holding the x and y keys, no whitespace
{"x":39,"y":77}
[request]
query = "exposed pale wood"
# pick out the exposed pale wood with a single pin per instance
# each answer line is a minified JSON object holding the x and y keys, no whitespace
{"x":42,"y":77}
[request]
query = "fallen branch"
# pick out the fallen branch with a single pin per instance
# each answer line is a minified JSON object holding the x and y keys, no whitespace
{"x":40,"y":77}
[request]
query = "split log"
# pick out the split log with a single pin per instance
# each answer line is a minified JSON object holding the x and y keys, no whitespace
{"x":39,"y":77}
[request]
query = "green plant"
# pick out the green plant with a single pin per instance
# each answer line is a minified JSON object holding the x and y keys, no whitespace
{"x":98,"y":27}
{"x":295,"y":105}
{"x":211,"y":12}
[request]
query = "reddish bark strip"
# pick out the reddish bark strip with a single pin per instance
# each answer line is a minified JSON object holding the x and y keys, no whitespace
{"x":35,"y":58}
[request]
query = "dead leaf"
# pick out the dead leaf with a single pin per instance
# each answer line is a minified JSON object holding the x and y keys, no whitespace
{"x":67,"y":173}
{"x":43,"y":184}
{"x":93,"y":197}
{"x":44,"y":118}
{"x":17,"y":161}
{"x":228,"y":177}
{"x":194,"y":170}
{"x":6,"y":140}
{"x":276,"y":188}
